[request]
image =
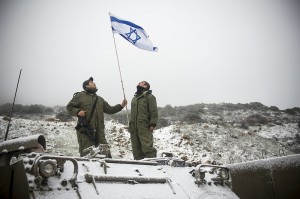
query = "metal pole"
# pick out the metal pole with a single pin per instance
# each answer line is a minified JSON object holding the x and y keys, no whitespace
{"x":124,"y":179}
{"x":120,"y":75}
{"x":12,"y":107}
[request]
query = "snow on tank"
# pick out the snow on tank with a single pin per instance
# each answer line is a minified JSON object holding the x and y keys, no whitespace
{"x":42,"y":175}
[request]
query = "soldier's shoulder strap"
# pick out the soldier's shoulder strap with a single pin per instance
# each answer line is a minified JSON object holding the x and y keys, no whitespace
{"x":93,"y":109}
{"x":78,"y":93}
{"x":75,"y":93}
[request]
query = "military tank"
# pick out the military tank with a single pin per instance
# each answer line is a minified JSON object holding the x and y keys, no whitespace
{"x":28,"y":172}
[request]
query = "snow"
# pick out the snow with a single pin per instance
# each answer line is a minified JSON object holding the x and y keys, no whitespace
{"x":195,"y":143}
{"x":284,"y":131}
{"x":289,"y":161}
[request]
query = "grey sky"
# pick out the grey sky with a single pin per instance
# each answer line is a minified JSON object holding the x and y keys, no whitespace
{"x":208,"y":51}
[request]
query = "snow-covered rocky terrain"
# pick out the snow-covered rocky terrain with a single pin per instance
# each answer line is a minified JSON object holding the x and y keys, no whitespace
{"x":206,"y":142}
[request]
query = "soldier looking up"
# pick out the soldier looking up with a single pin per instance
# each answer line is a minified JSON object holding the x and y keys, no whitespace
{"x":90,"y":109}
{"x":143,"y":121}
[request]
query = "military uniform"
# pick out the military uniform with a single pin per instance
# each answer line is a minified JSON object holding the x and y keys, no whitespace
{"x":84,"y":101}
{"x":143,"y":116}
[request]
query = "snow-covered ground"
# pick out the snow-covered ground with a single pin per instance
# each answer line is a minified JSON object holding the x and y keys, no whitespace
{"x":195,"y":143}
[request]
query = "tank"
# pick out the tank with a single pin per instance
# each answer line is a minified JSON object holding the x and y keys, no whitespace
{"x":28,"y":172}
{"x":277,"y":177}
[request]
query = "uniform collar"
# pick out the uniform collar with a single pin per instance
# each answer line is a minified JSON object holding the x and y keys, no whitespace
{"x":143,"y":94}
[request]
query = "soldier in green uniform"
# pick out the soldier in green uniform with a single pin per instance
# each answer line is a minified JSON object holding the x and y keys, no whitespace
{"x":90,"y":109}
{"x":143,"y":121}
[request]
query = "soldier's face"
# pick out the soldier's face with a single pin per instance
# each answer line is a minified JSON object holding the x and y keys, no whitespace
{"x":91,"y":85}
{"x":142,"y":84}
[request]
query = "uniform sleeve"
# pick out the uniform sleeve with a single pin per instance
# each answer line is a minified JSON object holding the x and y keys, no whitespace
{"x":73,"y":105}
{"x":153,"y":110}
{"x":111,"y":109}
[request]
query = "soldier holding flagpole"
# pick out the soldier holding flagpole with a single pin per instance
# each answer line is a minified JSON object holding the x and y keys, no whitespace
{"x":144,"y":114}
{"x":133,"y":33}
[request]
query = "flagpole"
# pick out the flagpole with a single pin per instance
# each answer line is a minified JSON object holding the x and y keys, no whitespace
{"x":120,"y":76}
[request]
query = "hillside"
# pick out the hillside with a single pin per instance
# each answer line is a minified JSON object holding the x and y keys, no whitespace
{"x":215,"y":133}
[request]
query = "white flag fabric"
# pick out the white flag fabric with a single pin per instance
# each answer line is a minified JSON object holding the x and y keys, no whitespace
{"x":132,"y":33}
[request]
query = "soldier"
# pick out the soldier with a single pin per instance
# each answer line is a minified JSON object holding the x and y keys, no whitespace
{"x":143,"y":121}
{"x":89,"y":108}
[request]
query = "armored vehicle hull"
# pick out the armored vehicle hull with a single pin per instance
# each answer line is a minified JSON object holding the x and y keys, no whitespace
{"x":28,"y":173}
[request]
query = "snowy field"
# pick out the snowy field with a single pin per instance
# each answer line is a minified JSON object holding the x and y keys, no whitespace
{"x":195,"y":143}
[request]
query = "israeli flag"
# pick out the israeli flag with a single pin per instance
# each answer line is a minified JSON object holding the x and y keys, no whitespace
{"x":132,"y":33}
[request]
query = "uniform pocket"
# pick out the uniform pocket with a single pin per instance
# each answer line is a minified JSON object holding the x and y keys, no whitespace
{"x":82,"y":130}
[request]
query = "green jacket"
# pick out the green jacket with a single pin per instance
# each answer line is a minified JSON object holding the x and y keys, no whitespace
{"x":84,"y":101}
{"x":143,"y":111}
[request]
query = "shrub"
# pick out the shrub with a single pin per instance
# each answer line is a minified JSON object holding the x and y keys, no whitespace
{"x":257,"y":106}
{"x":162,"y":122}
{"x":293,"y":111}
{"x":290,"y":111}
{"x":274,"y":108}
{"x":5,"y":109}
{"x":64,"y":116}
{"x":192,"y":118}
{"x":255,"y":119}
{"x":121,"y":117}
{"x":244,"y":125}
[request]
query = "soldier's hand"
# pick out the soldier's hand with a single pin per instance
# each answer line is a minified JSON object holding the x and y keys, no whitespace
{"x":124,"y":103}
{"x":151,"y":128}
{"x":81,"y":113}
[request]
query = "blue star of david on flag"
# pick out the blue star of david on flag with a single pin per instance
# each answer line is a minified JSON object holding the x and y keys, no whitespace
{"x":131,"y":32}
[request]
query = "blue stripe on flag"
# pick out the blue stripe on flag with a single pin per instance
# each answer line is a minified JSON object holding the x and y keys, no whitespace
{"x":133,"y":33}
{"x":114,"y":19}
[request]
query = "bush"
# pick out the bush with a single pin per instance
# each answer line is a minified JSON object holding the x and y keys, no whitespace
{"x":121,"y":117}
{"x":162,"y":122}
{"x":293,"y":111}
{"x":33,"y":109}
{"x":192,"y":118}
{"x":274,"y":108}
{"x":244,"y":125}
{"x":5,"y":109}
{"x":168,"y":110}
{"x":257,"y":106}
{"x":255,"y":119}
{"x":64,"y":116}
{"x":48,"y":110}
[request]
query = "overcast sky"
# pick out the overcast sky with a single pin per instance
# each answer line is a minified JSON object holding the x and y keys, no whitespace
{"x":209,"y":51}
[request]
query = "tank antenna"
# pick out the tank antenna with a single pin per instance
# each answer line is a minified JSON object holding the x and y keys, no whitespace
{"x":12,"y":107}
